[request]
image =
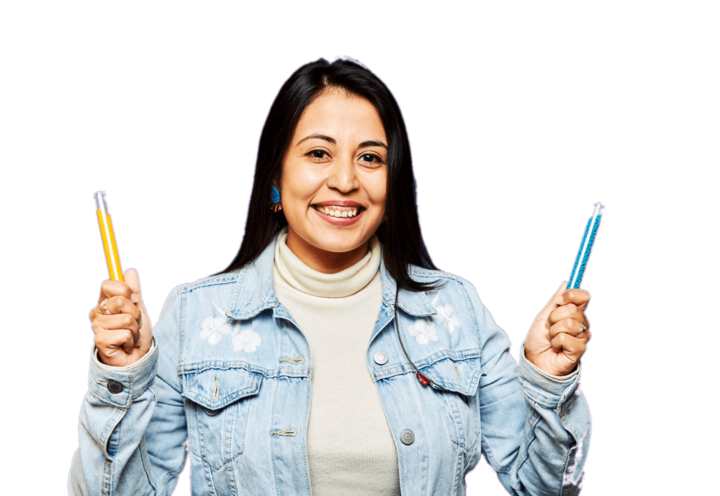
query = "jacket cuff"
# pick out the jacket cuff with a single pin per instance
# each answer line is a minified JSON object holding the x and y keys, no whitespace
{"x":119,"y":386}
{"x":545,"y":389}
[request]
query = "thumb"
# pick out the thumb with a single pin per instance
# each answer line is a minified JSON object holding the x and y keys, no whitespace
{"x":557,"y":296}
{"x":552,"y":304}
{"x":132,"y":279}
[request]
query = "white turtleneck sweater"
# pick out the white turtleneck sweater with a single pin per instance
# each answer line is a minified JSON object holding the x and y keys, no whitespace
{"x":349,"y":445}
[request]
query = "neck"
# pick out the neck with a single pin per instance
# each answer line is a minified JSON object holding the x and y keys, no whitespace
{"x":289,"y":268}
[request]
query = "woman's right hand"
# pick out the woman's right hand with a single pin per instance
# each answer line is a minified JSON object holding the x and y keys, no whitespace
{"x":122,"y":334}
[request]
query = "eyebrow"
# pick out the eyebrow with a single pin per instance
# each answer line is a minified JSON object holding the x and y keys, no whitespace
{"x":364,"y":144}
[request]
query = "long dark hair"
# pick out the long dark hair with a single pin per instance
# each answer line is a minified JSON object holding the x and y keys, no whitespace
{"x":400,"y":235}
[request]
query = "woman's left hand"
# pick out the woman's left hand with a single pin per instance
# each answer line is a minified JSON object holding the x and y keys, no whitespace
{"x":559,"y":335}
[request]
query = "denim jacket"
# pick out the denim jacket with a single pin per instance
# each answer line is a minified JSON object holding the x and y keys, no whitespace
{"x":228,"y":381}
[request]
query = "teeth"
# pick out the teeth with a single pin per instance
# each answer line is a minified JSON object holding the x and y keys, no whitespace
{"x":337,"y":211}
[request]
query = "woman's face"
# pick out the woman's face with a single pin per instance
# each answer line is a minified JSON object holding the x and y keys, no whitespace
{"x":334,"y":181}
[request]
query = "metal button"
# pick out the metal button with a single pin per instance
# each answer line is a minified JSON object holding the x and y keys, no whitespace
{"x":381,"y":358}
{"x":211,"y":413}
{"x":115,"y":387}
{"x":407,"y":437}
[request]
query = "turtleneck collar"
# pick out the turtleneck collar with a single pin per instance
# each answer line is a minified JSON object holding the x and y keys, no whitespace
{"x":337,"y":285}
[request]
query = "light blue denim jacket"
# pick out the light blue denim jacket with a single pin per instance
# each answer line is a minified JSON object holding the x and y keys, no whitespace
{"x":228,"y":381}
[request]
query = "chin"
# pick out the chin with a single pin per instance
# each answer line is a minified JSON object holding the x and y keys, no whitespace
{"x":338,"y":242}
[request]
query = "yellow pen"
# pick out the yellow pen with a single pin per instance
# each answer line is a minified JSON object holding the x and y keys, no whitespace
{"x":108,"y":238}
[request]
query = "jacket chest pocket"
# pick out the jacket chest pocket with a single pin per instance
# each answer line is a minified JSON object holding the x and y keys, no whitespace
{"x":221,"y":405}
{"x":455,"y":384}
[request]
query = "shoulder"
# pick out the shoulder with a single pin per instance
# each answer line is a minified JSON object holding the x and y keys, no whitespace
{"x":447,"y":283}
{"x":202,"y":291}
{"x":452,"y":295}
{"x":209,"y":282}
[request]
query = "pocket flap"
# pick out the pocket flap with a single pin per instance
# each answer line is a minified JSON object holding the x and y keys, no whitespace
{"x":460,"y":376}
{"x":217,"y":388}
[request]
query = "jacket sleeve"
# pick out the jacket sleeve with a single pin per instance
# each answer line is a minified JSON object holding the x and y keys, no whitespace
{"x":132,"y":428}
{"x":535,"y":427}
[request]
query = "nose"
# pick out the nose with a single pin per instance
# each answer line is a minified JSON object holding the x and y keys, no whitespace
{"x":342,"y":175}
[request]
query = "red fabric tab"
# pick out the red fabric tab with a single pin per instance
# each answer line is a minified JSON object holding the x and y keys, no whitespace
{"x":423,"y":380}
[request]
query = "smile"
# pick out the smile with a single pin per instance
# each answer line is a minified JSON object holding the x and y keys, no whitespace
{"x":339,"y":216}
{"x":335,"y":211}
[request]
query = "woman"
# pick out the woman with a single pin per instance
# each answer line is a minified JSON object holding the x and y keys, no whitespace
{"x":331,"y":355}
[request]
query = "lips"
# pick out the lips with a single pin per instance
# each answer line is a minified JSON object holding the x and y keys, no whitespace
{"x":340,"y":203}
{"x":333,"y":214}
{"x":338,"y":211}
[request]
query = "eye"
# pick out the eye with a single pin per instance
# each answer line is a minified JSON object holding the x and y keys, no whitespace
{"x":318,"y":154}
{"x":371,"y":158}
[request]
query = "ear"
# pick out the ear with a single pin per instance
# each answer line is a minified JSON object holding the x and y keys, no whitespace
{"x":276,"y":182}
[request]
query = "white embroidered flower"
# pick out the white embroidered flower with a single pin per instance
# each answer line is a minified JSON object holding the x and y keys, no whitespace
{"x":446,"y":315}
{"x":213,"y":329}
{"x":423,"y":331}
{"x":248,"y":341}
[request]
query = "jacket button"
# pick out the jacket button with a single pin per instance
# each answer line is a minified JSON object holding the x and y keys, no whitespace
{"x":211,"y":413}
{"x":407,"y":437}
{"x":381,"y":358}
{"x":115,"y":387}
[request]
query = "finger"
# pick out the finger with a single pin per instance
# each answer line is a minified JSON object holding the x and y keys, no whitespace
{"x":116,"y":322}
{"x":569,"y":326}
{"x":111,"y":288}
{"x":108,"y":290}
{"x":579,"y":297}
{"x":111,"y":342}
{"x":120,"y":304}
{"x":568,"y":311}
{"x":570,"y":346}
{"x":133,"y":279}
{"x":559,"y":291}
{"x":551,"y":305}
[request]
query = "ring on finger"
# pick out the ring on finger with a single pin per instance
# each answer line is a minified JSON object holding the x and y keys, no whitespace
{"x":104,"y":308}
{"x":139,"y":321}
{"x":583,"y":328}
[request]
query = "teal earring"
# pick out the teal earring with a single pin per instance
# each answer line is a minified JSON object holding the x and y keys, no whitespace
{"x":275,"y":199}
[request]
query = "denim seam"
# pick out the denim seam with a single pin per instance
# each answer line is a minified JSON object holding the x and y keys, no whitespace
{"x":540,"y":398}
{"x":117,"y":415}
{"x":146,"y":463}
{"x":458,"y":469}
{"x":107,"y":479}
{"x":208,"y":282}
{"x":197,"y":368}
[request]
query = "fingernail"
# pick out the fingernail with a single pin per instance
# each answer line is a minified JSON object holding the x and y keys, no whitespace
{"x":134,"y":298}
{"x":560,"y":300}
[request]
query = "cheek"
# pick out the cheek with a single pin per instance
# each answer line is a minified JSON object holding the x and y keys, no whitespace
{"x":377,"y":191}
{"x":299,"y":184}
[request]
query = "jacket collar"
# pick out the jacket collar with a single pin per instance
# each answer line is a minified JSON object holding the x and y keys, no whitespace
{"x":254,"y":290}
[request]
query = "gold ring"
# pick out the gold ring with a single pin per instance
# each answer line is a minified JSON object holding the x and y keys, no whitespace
{"x":104,"y":308}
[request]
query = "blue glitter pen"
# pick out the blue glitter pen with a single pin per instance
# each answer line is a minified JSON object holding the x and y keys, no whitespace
{"x":585,"y":247}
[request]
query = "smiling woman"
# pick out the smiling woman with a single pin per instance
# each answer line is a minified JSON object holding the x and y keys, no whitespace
{"x":331,"y":356}
{"x":335,"y":175}
{"x":336,"y":134}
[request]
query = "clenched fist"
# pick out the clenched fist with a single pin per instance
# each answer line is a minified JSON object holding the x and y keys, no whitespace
{"x":559,"y":335}
{"x":122,"y":327}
